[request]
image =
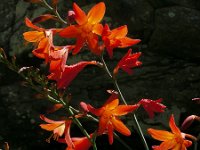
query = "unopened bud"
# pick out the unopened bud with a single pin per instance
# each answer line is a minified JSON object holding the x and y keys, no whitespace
{"x":188,"y":121}
{"x":84,"y":106}
{"x":70,"y":16}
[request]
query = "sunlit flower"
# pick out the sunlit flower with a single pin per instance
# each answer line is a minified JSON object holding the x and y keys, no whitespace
{"x":69,"y":73}
{"x":43,"y":39}
{"x":116,"y":38}
{"x":152,"y":106}
{"x":87,"y":28}
{"x":127,"y":62}
{"x":109,"y":114}
{"x":174,"y":140}
{"x":59,"y":128}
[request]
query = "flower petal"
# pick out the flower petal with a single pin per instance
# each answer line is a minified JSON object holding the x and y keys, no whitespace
{"x":112,"y":104}
{"x":80,"y":15}
{"x":119,"y":32}
{"x":49,"y":120}
{"x":120,"y":127}
{"x":160,"y":135}
{"x":59,"y":130}
{"x":33,"y":36}
{"x":96,"y":14}
{"x":31,"y":25}
{"x":69,"y":32}
{"x":110,"y":133}
{"x":103,"y":122}
{"x":124,"y":109}
{"x":81,"y":144}
{"x":113,"y":96}
{"x":126,"y":42}
{"x":97,"y":112}
{"x":97,"y":29}
{"x":79,"y":44}
{"x":43,"y":49}
{"x":187,"y":143}
{"x":92,"y":42}
{"x":67,"y":133}
{"x":50,"y":127}
{"x":173,"y":126}
{"x":70,"y":73}
{"x":168,"y":144}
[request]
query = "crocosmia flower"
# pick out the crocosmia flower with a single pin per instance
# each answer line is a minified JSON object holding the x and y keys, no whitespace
{"x":87,"y":29}
{"x":117,"y":38}
{"x":58,"y":58}
{"x":127,"y":62}
{"x":174,"y":140}
{"x":43,"y":39}
{"x":109,"y":114}
{"x":79,"y":143}
{"x":152,"y":106}
{"x":59,"y":128}
{"x":69,"y":73}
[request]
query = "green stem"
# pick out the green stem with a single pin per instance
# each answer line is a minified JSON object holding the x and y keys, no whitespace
{"x":124,"y":101}
{"x":53,"y":11}
{"x":78,"y":123}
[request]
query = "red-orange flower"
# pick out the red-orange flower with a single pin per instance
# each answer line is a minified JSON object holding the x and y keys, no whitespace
{"x":58,"y":57}
{"x":79,"y":143}
{"x":59,"y":128}
{"x":152,"y":106}
{"x":43,"y":39}
{"x":69,"y":73}
{"x":174,"y":140}
{"x":127,"y":62}
{"x":109,"y":114}
{"x":87,"y":28}
{"x":117,"y":38}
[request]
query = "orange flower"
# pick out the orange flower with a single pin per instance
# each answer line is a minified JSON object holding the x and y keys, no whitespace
{"x":117,"y":38}
{"x":174,"y":140}
{"x":58,"y":56}
{"x":70,"y":72}
{"x":87,"y":28}
{"x":59,"y":128}
{"x":109,"y":114}
{"x":43,"y":39}
{"x":127,"y":62}
{"x":79,"y":143}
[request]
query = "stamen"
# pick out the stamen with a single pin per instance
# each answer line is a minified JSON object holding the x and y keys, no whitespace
{"x":55,"y":137}
{"x":48,"y":140}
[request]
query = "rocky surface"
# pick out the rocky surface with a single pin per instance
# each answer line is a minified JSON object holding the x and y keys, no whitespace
{"x":170,"y":45}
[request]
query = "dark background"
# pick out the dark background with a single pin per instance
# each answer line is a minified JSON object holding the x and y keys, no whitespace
{"x":170,"y":34}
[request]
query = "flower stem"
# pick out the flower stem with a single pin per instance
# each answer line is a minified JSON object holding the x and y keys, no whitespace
{"x":78,"y":123}
{"x":124,"y":101}
{"x":53,"y":11}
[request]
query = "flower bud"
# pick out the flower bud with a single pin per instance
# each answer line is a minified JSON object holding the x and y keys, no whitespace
{"x":188,"y":121}
{"x":70,"y":16}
